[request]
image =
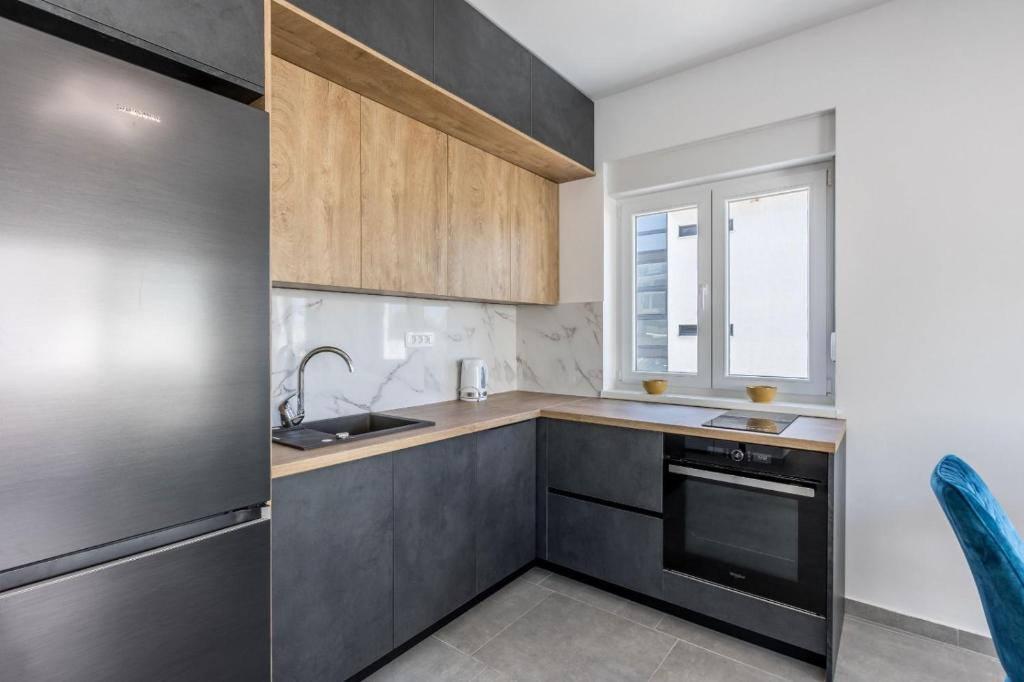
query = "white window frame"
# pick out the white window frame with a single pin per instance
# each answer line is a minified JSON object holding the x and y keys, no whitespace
{"x":712,"y":233}
{"x":661,"y":202}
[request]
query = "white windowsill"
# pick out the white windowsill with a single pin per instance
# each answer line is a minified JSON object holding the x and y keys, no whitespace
{"x":805,"y":409}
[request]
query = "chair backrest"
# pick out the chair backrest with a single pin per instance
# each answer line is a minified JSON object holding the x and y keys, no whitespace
{"x":994,"y":552}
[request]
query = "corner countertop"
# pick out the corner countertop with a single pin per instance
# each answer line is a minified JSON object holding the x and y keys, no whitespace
{"x":455,"y":418}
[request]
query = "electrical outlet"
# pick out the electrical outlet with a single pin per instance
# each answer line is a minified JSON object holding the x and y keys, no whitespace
{"x":419,"y":339}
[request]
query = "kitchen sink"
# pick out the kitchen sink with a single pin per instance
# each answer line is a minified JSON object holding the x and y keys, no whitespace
{"x":325,"y":432}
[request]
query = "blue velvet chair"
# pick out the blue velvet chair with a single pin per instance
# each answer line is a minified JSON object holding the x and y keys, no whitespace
{"x":994,"y":552}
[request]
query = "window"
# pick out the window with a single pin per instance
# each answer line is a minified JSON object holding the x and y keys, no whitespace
{"x":729,"y":284}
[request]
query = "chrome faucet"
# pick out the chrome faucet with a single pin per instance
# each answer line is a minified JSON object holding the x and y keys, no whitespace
{"x":291,"y":417}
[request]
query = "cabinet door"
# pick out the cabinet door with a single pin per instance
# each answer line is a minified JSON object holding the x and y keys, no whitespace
{"x":404,"y":203}
{"x":400,"y":29}
{"x":479,"y":238}
{"x":226,"y":35}
{"x":314,"y":141}
{"x":333,"y":570}
{"x":606,"y":462}
{"x":198,"y":610}
{"x":618,"y":546}
{"x":480,"y":63}
{"x":435,"y":563}
{"x":563,"y":117}
{"x":534,"y":218}
{"x":506,"y":473}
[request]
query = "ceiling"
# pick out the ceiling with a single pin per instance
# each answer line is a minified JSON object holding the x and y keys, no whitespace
{"x":606,"y":46}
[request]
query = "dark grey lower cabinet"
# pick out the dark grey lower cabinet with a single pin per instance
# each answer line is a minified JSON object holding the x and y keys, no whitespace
{"x":198,"y":610}
{"x":506,"y":474}
{"x":606,"y":462}
{"x":435,"y":533}
{"x":332,"y":577}
{"x":611,"y":544}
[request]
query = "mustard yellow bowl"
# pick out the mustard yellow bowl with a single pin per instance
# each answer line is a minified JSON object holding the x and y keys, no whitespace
{"x":655,"y":386}
{"x":762,"y":394}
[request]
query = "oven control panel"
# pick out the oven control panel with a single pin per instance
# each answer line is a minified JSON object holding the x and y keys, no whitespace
{"x":747,"y":456}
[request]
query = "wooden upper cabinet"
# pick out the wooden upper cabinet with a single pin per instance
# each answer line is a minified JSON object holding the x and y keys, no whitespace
{"x":479,"y":237}
{"x":315,"y":169}
{"x":404,"y":203}
{"x":534,"y":216}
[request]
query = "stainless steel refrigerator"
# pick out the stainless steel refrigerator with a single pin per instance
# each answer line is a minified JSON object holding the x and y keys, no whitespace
{"x":134,"y":378}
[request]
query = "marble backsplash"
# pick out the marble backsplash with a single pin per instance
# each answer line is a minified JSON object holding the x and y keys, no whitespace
{"x":532,"y":348}
{"x":559,"y":348}
{"x":372,"y":330}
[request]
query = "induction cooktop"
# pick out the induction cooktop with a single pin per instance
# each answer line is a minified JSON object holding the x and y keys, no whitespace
{"x":762,"y":422}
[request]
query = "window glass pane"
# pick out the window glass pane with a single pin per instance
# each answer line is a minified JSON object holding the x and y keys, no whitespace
{"x":666,"y":291}
{"x":769,"y":285}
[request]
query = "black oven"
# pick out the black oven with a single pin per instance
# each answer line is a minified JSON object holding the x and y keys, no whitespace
{"x":748,"y":517}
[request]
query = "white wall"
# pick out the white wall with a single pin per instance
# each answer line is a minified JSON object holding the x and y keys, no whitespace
{"x":929,"y":103}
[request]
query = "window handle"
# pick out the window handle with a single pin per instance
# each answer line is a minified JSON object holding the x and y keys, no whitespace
{"x":704,"y":289}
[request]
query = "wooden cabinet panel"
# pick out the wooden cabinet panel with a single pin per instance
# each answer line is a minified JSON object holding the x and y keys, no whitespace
{"x":315,"y":223}
{"x":404,"y":203}
{"x":479,"y":238}
{"x":534,"y":216}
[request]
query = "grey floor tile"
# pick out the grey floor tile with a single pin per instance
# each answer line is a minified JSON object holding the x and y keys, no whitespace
{"x":744,"y":652}
{"x":473,"y":629}
{"x":689,"y":663}
{"x":492,"y":675}
{"x":583,"y":592}
{"x":562,"y":639}
{"x":870,"y":652}
{"x":638,"y":613}
{"x":430,"y":661}
{"x":536,"y":574}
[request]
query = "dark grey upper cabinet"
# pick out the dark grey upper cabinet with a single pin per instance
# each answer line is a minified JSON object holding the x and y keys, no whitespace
{"x":435,"y":533}
{"x":480,"y":63}
{"x":333,"y":538}
{"x":331,"y":11}
{"x":506,"y":474}
{"x":563,"y":117}
{"x":216,"y":45}
{"x":400,"y":29}
{"x":606,"y":462}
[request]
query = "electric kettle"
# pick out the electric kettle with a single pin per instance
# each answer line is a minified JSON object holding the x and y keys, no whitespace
{"x":473,"y":380}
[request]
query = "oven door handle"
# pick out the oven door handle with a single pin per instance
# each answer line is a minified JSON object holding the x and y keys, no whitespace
{"x":774,"y":486}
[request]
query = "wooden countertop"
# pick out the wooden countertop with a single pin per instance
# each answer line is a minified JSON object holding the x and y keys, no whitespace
{"x":456,"y":418}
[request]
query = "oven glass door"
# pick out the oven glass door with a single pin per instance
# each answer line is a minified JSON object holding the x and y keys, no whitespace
{"x":761,"y":535}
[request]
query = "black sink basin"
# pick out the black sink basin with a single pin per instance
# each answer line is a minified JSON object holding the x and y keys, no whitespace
{"x":320,"y":434}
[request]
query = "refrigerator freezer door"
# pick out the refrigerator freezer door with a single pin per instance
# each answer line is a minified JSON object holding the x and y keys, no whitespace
{"x":134,"y":351}
{"x":199,"y":610}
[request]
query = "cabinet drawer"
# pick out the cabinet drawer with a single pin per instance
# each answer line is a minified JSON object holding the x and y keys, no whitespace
{"x":605,"y":462}
{"x":618,"y":546}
